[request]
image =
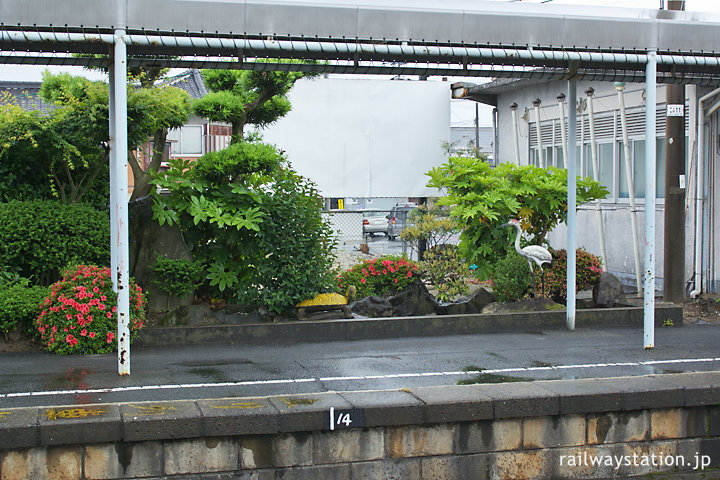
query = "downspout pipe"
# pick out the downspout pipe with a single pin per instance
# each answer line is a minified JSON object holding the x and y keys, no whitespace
{"x":596,"y":174}
{"x":700,"y":192}
{"x":541,"y":157}
{"x":620,"y":87}
{"x":496,"y":147}
{"x":513,"y":109}
{"x":563,"y":132}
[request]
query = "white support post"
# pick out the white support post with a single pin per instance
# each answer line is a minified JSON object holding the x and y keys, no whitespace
{"x":538,"y":131}
{"x":516,"y":141}
{"x":571,"y":203}
{"x":112,"y":144}
{"x":563,"y":130}
{"x":650,"y":187}
{"x":596,"y":176}
{"x":119,"y":179}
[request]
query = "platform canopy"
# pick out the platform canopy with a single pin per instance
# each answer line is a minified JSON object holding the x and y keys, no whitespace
{"x":419,"y":37}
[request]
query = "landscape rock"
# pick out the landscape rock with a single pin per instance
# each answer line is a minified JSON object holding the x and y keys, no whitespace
{"x":237,"y":314}
{"x":608,"y":291}
{"x":200,"y":314}
{"x":527,"y":305}
{"x":414,"y":300}
{"x":373,"y":307}
{"x":148,"y":239}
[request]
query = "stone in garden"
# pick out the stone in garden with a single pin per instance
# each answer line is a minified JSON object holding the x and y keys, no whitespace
{"x":414,"y":300}
{"x":526,"y":305}
{"x":372,"y":307}
{"x":148,"y":239}
{"x":608,"y":291}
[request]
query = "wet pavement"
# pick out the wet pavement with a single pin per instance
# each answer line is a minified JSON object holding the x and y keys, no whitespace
{"x":217,"y":371}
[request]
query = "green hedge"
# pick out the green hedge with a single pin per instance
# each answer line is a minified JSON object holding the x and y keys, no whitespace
{"x":20,"y":305}
{"x":40,"y":237}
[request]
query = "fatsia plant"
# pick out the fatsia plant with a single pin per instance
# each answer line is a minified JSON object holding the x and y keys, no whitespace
{"x":483,"y":197}
{"x":252,"y":222}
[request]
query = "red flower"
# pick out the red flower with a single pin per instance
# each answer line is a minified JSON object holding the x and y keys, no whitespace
{"x":71,"y":340}
{"x":110,"y":337}
{"x":92,"y":335}
{"x":83,"y":332}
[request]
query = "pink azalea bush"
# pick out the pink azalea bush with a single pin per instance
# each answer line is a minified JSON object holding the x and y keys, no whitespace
{"x":588,"y":270}
{"x":379,"y":276}
{"x":80,"y":314}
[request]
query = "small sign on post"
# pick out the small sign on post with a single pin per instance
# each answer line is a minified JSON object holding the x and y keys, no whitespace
{"x":676,"y":110}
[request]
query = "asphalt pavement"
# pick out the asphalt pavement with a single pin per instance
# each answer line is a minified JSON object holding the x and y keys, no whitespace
{"x":212,"y":371}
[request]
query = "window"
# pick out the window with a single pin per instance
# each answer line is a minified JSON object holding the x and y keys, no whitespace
{"x":637,"y":149}
{"x":186,"y":140}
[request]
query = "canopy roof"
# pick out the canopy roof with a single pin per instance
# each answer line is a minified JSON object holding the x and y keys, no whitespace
{"x":456,"y":37}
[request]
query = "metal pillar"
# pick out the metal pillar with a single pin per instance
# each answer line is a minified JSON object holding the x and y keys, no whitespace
{"x":596,"y":176}
{"x":620,"y":87}
{"x":650,"y":187}
{"x":541,"y":154}
{"x":571,"y":203}
{"x":113,"y":187}
{"x":563,"y":130}
{"x":516,"y":142}
{"x":119,"y":179}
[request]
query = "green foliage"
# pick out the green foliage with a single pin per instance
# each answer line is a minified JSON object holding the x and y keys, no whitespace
{"x":511,"y":278}
{"x":20,"y":304}
{"x":588,"y":269}
{"x":253,"y":223}
{"x":64,"y":153}
{"x":443,"y":267}
{"x":78,"y":316}
{"x":40,"y":237}
{"x":482,"y":198}
{"x":176,"y":276}
{"x":380,"y":276}
{"x":241,"y":97}
{"x":434,"y":225}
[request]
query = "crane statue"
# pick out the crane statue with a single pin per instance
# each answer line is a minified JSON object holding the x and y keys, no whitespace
{"x":533,"y":253}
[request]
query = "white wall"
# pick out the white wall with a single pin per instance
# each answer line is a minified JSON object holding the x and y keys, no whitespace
{"x":365,"y":138}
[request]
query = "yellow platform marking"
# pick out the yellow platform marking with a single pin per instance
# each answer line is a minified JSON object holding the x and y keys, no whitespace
{"x":155,"y":409}
{"x":67,"y":413}
{"x":239,"y":405}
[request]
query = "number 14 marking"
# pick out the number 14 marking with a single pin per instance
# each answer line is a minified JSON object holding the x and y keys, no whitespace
{"x":342,"y":419}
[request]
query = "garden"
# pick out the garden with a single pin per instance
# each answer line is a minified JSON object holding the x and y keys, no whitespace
{"x":238,"y":231}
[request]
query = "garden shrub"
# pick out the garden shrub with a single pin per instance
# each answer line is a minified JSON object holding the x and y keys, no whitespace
{"x":443,"y":267}
{"x":38,"y":238}
{"x":588,"y":270}
{"x":20,"y":304}
{"x":380,"y":276}
{"x":78,"y":316}
{"x":254,"y":224}
{"x":511,"y":278}
{"x":176,"y":276}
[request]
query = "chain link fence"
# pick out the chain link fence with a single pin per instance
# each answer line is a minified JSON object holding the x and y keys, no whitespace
{"x":377,"y":230}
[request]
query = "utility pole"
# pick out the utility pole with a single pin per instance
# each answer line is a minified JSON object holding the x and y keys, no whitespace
{"x":674,"y":244}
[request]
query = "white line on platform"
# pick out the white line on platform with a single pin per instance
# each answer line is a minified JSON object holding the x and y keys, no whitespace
{"x":352,"y":378}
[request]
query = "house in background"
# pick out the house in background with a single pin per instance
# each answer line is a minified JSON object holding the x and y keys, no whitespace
{"x":198,"y":136}
{"x":616,"y":216}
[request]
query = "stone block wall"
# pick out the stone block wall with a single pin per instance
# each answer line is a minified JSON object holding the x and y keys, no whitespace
{"x":576,"y":429}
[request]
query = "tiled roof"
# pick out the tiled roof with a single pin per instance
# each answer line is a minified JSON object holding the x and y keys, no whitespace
{"x":191,"y":81}
{"x":24,"y":94}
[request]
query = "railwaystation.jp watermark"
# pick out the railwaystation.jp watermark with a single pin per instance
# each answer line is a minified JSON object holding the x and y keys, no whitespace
{"x":696,"y":462}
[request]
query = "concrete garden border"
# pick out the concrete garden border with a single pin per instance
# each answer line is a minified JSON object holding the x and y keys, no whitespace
{"x":289,"y":333}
